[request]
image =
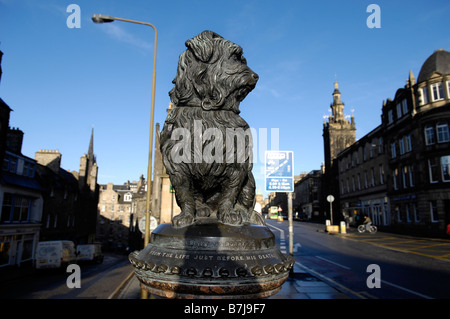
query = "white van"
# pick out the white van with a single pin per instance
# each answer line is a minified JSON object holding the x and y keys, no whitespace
{"x":90,"y":252}
{"x":55,"y":254}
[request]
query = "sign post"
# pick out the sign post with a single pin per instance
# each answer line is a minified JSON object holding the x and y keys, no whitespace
{"x":279,"y":177}
{"x":279,"y":169}
{"x":330,"y":199}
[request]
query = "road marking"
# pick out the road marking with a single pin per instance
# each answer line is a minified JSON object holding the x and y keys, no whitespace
{"x":406,"y":289}
{"x":331,"y":281}
{"x":334,"y":263}
{"x":283,"y":241}
{"x":279,"y":229}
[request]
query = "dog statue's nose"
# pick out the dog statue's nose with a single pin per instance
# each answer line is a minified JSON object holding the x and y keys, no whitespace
{"x":255,"y":76}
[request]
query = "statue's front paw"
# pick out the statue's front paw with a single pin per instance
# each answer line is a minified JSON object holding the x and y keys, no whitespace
{"x":182,"y":220}
{"x":231,"y":218}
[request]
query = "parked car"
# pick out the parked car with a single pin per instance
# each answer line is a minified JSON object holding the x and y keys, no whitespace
{"x":90,"y":252}
{"x":55,"y":254}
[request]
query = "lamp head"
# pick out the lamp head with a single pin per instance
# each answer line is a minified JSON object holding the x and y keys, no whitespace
{"x":101,"y":18}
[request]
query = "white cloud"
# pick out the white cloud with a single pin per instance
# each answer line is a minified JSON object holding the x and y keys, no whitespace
{"x":117,"y":32}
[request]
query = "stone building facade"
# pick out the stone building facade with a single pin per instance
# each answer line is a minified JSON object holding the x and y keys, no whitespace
{"x":120,"y":208}
{"x":70,"y":197}
{"x":399,"y":174}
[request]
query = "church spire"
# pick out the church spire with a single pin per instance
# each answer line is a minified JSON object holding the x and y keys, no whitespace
{"x":91,"y":146}
{"x":337,"y":107}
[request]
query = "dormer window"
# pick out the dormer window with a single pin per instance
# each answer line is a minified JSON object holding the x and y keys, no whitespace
{"x":437,"y":91}
{"x":127,"y":197}
{"x":405,"y":106}
{"x":424,"y":96}
{"x":390,"y":116}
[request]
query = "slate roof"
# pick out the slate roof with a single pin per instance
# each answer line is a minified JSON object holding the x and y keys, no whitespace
{"x":438,"y":62}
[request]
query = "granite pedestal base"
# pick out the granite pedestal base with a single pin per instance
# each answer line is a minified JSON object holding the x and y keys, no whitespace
{"x":212,"y":261}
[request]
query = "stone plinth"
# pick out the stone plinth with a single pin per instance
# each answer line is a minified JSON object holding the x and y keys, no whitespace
{"x":212,"y":260}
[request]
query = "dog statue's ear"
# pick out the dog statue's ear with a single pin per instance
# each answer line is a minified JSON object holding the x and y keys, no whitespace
{"x":202,"y":45}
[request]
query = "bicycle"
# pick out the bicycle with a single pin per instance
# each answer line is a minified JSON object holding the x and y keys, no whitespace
{"x":372,"y":229}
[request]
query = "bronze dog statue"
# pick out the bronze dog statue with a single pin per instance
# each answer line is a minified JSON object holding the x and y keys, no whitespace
{"x":208,"y":168}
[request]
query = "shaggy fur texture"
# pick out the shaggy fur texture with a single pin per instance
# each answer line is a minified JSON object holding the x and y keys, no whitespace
{"x":212,"y":79}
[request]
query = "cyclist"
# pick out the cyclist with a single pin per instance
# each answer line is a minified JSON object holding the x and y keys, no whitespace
{"x":367,"y":222}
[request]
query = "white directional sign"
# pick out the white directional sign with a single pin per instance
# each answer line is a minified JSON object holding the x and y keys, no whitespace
{"x":279,"y":171}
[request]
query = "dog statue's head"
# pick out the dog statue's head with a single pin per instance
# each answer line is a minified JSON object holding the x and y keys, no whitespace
{"x":212,"y":74}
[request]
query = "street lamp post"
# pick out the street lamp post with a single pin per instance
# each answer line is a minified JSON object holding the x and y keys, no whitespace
{"x":101,"y":18}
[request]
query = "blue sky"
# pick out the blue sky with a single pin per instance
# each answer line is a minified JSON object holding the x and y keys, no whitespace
{"x":61,"y":82}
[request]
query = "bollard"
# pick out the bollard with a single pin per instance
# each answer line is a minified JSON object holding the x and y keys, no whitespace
{"x":343,"y":228}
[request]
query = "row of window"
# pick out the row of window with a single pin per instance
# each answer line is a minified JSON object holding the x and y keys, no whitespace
{"x":403,"y":178}
{"x":439,"y":133}
{"x":121,"y":208}
{"x":20,"y":166}
{"x":370,"y":149}
{"x":401,"y":109}
{"x":369,"y":180}
{"x":404,"y":146}
{"x":408,"y":212}
{"x":126,"y":198}
{"x":435,"y":92}
{"x":52,"y":221}
{"x":432,"y":93}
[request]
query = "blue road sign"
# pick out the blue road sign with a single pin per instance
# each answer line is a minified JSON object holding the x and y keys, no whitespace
{"x":279,"y":170}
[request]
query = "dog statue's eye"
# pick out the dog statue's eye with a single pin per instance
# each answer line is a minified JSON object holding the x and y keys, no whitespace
{"x":239,"y":58}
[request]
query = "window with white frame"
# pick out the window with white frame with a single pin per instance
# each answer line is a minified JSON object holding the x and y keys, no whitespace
{"x":408,"y":215}
{"x":445,"y":168}
{"x":416,"y":216}
{"x":429,"y":135}
{"x":366,"y":180}
{"x":424,"y":95}
{"x":393,"y":150}
{"x":404,"y":176}
{"x":127,"y":197}
{"x":442,"y":132}
{"x":390,"y":116}
{"x":15,"y":208}
{"x":433,"y":170}
{"x":434,"y":211}
{"x":399,"y":110}
{"x":437,"y":91}
{"x":401,"y":145}
{"x":404,"y":106}
{"x":408,"y":143}
{"x":411,"y":175}
{"x":381,"y":174}
{"x":395,"y":179}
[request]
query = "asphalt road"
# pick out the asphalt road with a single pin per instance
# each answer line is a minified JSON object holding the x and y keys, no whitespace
{"x":354,"y":262}
{"x":97,"y":281}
